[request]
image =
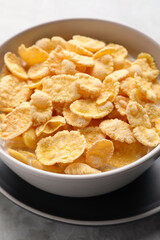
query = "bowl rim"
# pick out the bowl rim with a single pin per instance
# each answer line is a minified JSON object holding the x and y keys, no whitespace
{"x":116,"y":171}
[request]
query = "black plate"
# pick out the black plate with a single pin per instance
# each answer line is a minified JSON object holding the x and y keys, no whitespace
{"x":137,"y":200}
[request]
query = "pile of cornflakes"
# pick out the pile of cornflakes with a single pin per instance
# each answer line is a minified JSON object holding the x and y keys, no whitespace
{"x":80,"y":106}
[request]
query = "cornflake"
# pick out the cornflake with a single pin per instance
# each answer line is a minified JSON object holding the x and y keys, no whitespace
{"x":137,"y":115}
{"x":99,"y":153}
{"x":51,"y":125}
{"x":32,"y":55}
{"x":79,"y":169}
{"x":63,"y":147}
{"x":90,"y":44}
{"x":73,"y":46}
{"x":88,"y":87}
{"x":121,"y":104}
{"x":146,"y":136}
{"x":14,"y":64}
{"x":13,"y":92}
{"x":125,"y":153}
{"x":16,"y":122}
{"x":117,"y":130}
{"x":92,"y":134}
{"x":89,"y":109}
{"x":41,"y":107}
{"x":74,"y":119}
{"x":61,"y":88}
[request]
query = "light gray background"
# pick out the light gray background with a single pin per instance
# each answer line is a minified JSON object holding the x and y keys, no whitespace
{"x":17,"y":15}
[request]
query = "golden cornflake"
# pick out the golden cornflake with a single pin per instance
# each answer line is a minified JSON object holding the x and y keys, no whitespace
{"x":63,"y":147}
{"x":74,"y":119}
{"x":16,"y":122}
{"x":66,"y":67}
{"x":32,"y":55}
{"x":127,"y":85}
{"x":58,"y":41}
{"x":13,"y":92}
{"x":61,"y":88}
{"x":38,"y":71}
{"x":153,"y":111}
{"x":102,"y":67}
{"x":30,"y":138}
{"x":125,"y":153}
{"x":89,"y":109}
{"x":137,"y":115}
{"x":41,"y":107}
{"x":121,"y":104}
{"x":157,"y":126}
{"x":80,"y":169}
{"x":117,"y":130}
{"x":4,"y":72}
{"x":74,"y":47}
{"x":14,"y":65}
{"x":146,"y":136}
{"x":88,"y":87}
{"x":99,"y":153}
{"x":46,"y":44}
{"x":51,"y":125}
{"x":92,"y":134}
{"x":110,"y":89}
{"x":148,"y":58}
{"x":90,"y":44}
{"x":19,"y":156}
{"x":146,"y":89}
{"x":79,"y":59}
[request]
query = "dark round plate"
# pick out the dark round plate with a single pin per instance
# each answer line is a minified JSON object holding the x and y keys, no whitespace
{"x":139,"y":199}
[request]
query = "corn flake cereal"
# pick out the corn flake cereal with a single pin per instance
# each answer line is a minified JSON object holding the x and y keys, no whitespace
{"x":109,"y":91}
{"x":102,"y":67}
{"x":79,"y":106}
{"x":79,"y":59}
{"x":51,"y":125}
{"x":88,"y":87}
{"x":14,"y":64}
{"x":74,"y":119}
{"x":38,"y":71}
{"x":4,"y":72}
{"x":137,"y":115}
{"x":74,"y":47}
{"x":89,"y":109}
{"x":99,"y":153}
{"x":32,"y":55}
{"x":121,"y":104}
{"x":92,"y":134}
{"x":80,"y":169}
{"x":41,"y":107}
{"x":127,"y":85}
{"x":125,"y":153}
{"x":90,"y":44}
{"x":30,"y":138}
{"x":16,"y":122}
{"x":153,"y":111}
{"x":146,"y":136}
{"x":46,"y":44}
{"x":61,"y":88}
{"x":13,"y":92}
{"x":19,"y":156}
{"x":117,"y":130}
{"x":63,"y":147}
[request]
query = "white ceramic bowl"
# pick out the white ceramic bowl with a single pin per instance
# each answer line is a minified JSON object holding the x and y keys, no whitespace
{"x":94,"y":184}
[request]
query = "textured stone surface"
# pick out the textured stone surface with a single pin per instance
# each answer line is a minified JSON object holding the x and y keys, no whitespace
{"x":17,"y":15}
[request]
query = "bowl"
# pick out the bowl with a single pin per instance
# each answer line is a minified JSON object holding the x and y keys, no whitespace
{"x":93,"y":184}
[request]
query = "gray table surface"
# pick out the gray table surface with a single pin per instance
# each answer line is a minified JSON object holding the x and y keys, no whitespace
{"x":17,"y":15}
